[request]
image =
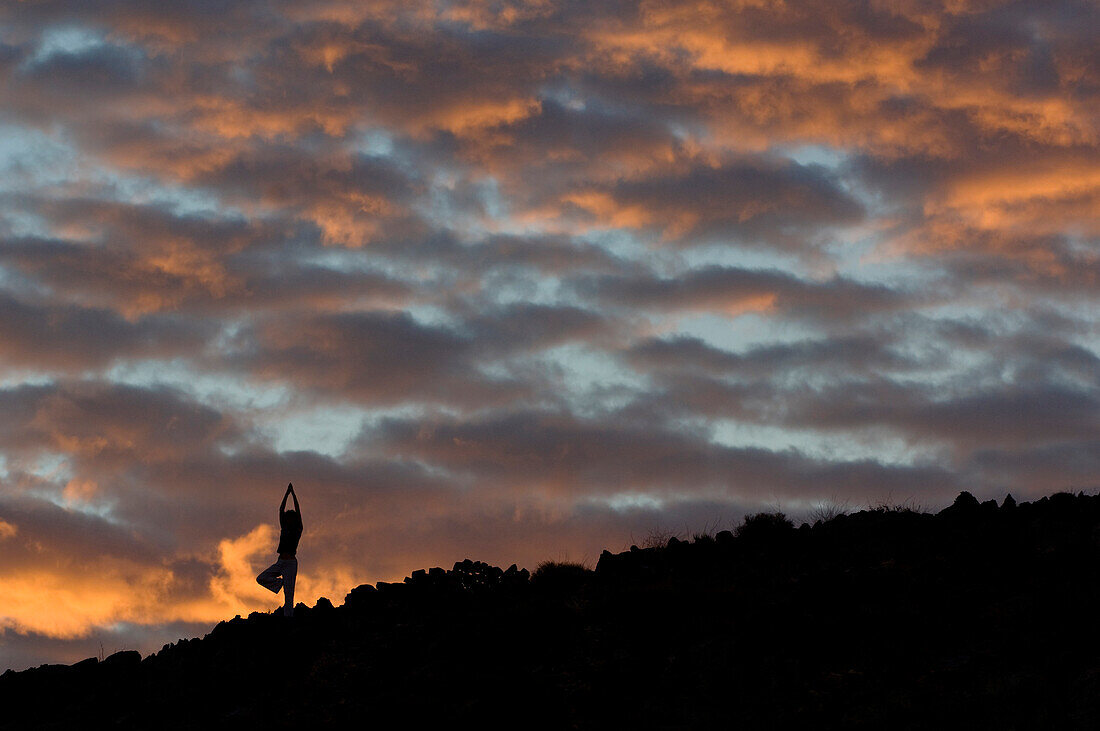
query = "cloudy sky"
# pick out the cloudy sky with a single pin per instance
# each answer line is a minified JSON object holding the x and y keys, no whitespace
{"x":519,"y":281}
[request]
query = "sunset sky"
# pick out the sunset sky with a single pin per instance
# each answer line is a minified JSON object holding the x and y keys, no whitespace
{"x":518,"y":281}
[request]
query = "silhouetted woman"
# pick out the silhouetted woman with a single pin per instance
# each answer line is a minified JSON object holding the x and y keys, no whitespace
{"x":281,"y":574}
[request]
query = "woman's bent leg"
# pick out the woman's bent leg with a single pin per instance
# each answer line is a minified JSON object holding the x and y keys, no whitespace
{"x":270,"y":579}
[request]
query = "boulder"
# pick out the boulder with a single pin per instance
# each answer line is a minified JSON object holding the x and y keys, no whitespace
{"x":86,"y":664}
{"x":965,"y":505}
{"x":359,"y":597}
{"x":123,"y":659}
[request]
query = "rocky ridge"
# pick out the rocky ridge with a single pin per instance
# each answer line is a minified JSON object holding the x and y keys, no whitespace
{"x":983,"y":614}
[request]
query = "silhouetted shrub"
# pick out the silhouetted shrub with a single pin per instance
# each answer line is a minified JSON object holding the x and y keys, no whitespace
{"x":763,"y":526}
{"x":560,"y":576}
{"x":828,"y":511}
{"x":657,"y":538}
{"x":906,"y":506}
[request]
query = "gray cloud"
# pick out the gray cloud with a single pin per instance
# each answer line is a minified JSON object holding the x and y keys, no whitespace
{"x":184,"y":279}
{"x":71,"y":338}
{"x":840,"y":355}
{"x":733,"y":290}
{"x":382,"y":358}
{"x":749,"y":201}
{"x":559,"y":453}
{"x":116,"y":424}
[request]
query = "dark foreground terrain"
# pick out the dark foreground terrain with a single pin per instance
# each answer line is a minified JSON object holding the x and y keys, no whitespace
{"x":982,"y":616}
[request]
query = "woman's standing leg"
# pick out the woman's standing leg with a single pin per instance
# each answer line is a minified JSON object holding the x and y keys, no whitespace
{"x":290,"y":573}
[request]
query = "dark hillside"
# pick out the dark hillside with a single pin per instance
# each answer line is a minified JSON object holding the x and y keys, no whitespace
{"x":981,"y":615}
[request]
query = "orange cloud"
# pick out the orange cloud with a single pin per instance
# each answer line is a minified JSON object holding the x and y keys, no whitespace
{"x":1037,"y":199}
{"x":230,"y":118}
{"x":67,"y":606}
{"x":608,"y":212}
{"x":354,"y":221}
{"x":234,"y":585}
{"x":473,"y":118}
{"x":79,"y":491}
{"x":74,"y":600}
